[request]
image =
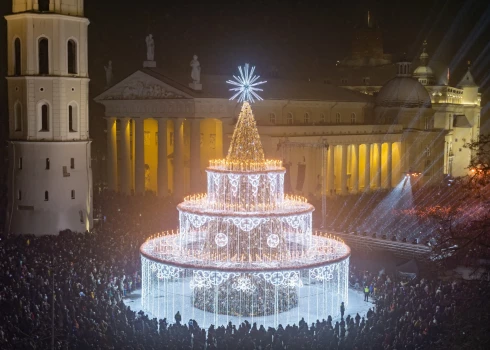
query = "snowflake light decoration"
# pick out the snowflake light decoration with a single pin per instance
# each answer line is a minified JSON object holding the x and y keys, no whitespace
{"x":246,"y":85}
{"x":273,"y":240}
{"x":244,"y":284}
{"x":221,"y":239}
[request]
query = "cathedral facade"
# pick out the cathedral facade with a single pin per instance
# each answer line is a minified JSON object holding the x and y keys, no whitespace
{"x":365,"y":128}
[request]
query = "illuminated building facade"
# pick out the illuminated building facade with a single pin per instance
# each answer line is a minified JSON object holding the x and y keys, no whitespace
{"x":162,"y":134}
{"x":50,"y":177}
{"x":359,"y":130}
{"x":456,"y":108}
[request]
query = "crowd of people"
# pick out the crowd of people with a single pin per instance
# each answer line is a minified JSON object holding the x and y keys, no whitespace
{"x":70,"y":288}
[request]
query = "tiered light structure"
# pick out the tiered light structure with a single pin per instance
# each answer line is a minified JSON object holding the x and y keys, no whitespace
{"x":244,"y":249}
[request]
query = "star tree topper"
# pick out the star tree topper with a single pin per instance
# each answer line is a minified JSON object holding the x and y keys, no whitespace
{"x":246,"y":85}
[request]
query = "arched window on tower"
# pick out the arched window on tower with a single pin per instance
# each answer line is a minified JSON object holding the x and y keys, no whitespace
{"x":43,"y":5}
{"x":72,"y":118}
{"x":352,"y":118}
{"x":272,"y":118}
{"x":72,"y":57}
{"x":338,"y":118}
{"x":306,"y":118}
{"x":44,"y":117}
{"x":289,"y":119}
{"x":43,"y":56}
{"x":17,"y":58}
{"x":18,"y":117}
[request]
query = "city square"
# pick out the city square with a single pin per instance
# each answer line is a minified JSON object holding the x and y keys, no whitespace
{"x":197,"y":176}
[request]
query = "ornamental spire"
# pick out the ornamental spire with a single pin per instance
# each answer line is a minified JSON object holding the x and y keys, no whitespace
{"x":424,"y":56}
{"x":245,"y":144}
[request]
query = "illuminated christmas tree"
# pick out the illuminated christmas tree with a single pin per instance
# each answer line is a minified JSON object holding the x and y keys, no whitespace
{"x":245,"y":144}
{"x":245,"y":248}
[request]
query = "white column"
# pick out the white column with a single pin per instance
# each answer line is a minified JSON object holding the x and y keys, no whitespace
{"x":139,"y":163}
{"x":162,"y":158}
{"x":195,"y":156}
{"x":343,"y":171}
{"x":178,"y":159}
{"x":378,"y":166}
{"x":111,"y":159}
{"x":125,"y":174}
{"x":367,"y":169}
{"x":390,"y":166}
{"x":355,"y":169}
{"x":330,"y":171}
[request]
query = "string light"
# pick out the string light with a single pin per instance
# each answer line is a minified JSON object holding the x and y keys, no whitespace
{"x":245,"y":147}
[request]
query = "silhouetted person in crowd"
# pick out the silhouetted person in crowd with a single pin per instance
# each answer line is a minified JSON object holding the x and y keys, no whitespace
{"x":178,"y":318}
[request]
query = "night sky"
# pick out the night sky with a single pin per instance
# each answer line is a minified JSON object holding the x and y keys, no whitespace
{"x":301,"y":39}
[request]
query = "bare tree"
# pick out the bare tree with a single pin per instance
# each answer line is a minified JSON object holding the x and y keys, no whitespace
{"x":463,"y":235}
{"x":480,"y":164}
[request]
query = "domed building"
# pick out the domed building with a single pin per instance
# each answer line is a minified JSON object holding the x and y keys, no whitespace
{"x":423,"y":73}
{"x":403,"y":91}
{"x":403,"y":100}
{"x":455,"y":108}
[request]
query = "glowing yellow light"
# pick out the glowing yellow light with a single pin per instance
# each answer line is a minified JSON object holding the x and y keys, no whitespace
{"x":245,"y":152}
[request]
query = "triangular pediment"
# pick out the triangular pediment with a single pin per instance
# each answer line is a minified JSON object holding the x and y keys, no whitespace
{"x":467,"y":80}
{"x":141,"y":86}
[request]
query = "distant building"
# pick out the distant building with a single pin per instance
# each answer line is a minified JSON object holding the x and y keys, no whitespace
{"x":50,"y":175}
{"x":456,"y":108}
{"x":367,"y":46}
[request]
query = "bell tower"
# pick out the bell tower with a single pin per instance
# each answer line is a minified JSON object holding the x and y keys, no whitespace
{"x":50,"y":175}
{"x":65,"y":7}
